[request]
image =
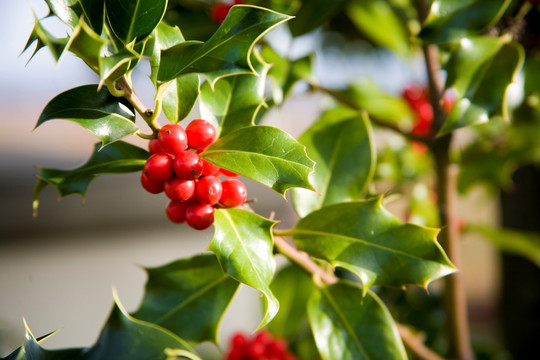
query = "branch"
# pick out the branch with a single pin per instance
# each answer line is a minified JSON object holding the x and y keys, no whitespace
{"x":346,"y":101}
{"x":303,"y":260}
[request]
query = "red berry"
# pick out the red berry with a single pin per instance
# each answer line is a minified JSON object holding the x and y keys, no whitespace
{"x":188,"y":165}
{"x":239,"y":340}
{"x":200,"y":216}
{"x":177,"y":189}
{"x":158,"y":167}
{"x":151,"y":186}
{"x":220,"y":10}
{"x":200,"y":134}
{"x":209,"y":190}
{"x":172,"y":138}
{"x":234,"y":193}
{"x":176,"y":211}
{"x":154,"y":147}
{"x":209,"y":168}
{"x":257,"y":350}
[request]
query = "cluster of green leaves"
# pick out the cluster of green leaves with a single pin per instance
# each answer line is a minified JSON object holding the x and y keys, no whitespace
{"x":329,"y":168}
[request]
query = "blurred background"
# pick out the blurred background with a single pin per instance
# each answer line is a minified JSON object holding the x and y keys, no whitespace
{"x":58,"y":270}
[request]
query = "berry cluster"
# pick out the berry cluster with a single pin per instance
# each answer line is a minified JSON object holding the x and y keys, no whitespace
{"x":418,"y":98}
{"x":191,"y":183}
{"x":262,"y":346}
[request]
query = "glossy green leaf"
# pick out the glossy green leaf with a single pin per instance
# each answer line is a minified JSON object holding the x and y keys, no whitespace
{"x":341,"y":145}
{"x":379,"y":104}
{"x":114,"y":66}
{"x":45,"y":39}
{"x":134,"y":19}
{"x":292,"y":287}
{"x":367,"y":240}
{"x":188,"y":297}
{"x":450,"y":20}
{"x":350,"y":325}
{"x":62,"y":9}
{"x":165,"y":36}
{"x":87,"y":45}
{"x":32,"y":349}
{"x":485,"y":93}
{"x":243,"y":243}
{"x":227,"y":52}
{"x":313,"y":14}
{"x":119,"y":157}
{"x":233,"y":103}
{"x":107,"y":117}
{"x":526,"y":244}
{"x":371,"y":16}
{"x":124,"y":337}
{"x":93,"y":12}
{"x":265,"y":154}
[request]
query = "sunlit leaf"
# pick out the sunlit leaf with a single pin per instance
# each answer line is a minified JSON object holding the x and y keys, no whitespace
{"x":371,"y":16}
{"x":87,"y":45}
{"x":340,"y":144}
{"x":188,"y":297}
{"x":313,"y":14}
{"x":243,"y":243}
{"x":350,"y":325}
{"x":45,"y":39}
{"x":107,"y":117}
{"x":450,"y":20}
{"x":63,"y":10}
{"x":134,"y":19}
{"x":265,"y":154}
{"x":367,"y":240}
{"x":227,"y":52}
{"x":119,"y":157}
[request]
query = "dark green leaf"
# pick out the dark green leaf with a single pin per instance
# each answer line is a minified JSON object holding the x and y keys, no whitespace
{"x":117,"y":158}
{"x":243,"y":243}
{"x":227,"y":52}
{"x":371,"y":16}
{"x":165,"y":37}
{"x":94,"y":13}
{"x":484,"y":95}
{"x":450,"y":20}
{"x":107,"y":117}
{"x":292,"y":287}
{"x":180,"y":97}
{"x":340,"y":144}
{"x":134,"y":19}
{"x":233,"y":103}
{"x":313,"y":14}
{"x":367,"y":240}
{"x":350,"y":325}
{"x":188,"y":297}
{"x":526,"y":244}
{"x":265,"y":154}
{"x":87,"y":45}
{"x":32,"y":350}
{"x":124,"y":337}
{"x":62,"y":9}
{"x":44,"y":38}
{"x":114,"y":66}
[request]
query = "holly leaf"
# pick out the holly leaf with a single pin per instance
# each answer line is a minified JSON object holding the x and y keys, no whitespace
{"x":265,"y":154}
{"x":349,"y":324}
{"x":341,"y":145}
{"x":233,"y":103}
{"x":243,"y":244}
{"x":62,"y":9}
{"x":188,"y":297}
{"x":114,"y":66}
{"x":87,"y":45}
{"x":370,"y":16}
{"x":45,"y":39}
{"x":313,"y":14}
{"x":134,"y":19}
{"x":107,"y":117}
{"x":522,"y":243}
{"x":117,"y":158}
{"x":227,"y":52}
{"x":482,"y":93}
{"x":367,"y":240}
{"x":125,"y":337}
{"x":94,"y":12}
{"x":450,"y":20}
{"x":292,"y":287}
{"x":32,"y":349}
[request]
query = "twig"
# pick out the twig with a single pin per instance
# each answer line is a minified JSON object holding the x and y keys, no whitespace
{"x":303,"y":260}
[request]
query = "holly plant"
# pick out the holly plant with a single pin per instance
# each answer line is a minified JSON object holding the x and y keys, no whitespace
{"x":346,"y":250}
